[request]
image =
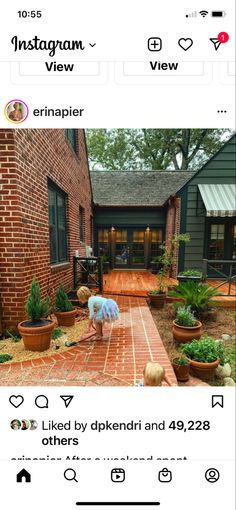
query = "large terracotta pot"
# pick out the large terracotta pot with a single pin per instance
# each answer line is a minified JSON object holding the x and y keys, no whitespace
{"x":66,"y":318}
{"x":157,"y":300}
{"x":183,"y":334}
{"x":36,"y":337}
{"x":181,"y":371}
{"x":204,"y":371}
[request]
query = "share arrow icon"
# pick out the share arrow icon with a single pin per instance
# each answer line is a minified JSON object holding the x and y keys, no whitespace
{"x":67,"y":399}
{"x":216,"y":42}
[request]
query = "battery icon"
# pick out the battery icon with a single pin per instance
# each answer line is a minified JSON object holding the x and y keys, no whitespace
{"x":218,"y":14}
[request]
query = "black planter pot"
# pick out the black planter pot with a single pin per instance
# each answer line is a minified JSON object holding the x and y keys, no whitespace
{"x":182,"y":278}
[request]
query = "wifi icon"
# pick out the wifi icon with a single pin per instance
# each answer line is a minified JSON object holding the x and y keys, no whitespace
{"x":203,"y":13}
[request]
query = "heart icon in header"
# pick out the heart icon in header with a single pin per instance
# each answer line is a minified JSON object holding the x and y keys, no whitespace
{"x":185,"y":44}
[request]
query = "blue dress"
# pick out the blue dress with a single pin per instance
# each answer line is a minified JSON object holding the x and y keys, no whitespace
{"x":102,"y":309}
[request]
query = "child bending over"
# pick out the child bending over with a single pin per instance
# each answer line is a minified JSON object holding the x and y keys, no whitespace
{"x":153,"y":375}
{"x":100,"y":310}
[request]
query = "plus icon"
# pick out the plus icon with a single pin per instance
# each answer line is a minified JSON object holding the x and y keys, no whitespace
{"x":154,"y":44}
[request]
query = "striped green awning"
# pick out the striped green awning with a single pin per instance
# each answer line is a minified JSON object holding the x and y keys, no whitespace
{"x":219,"y":199}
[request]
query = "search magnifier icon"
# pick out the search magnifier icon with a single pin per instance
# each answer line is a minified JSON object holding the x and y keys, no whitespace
{"x":70,"y":475}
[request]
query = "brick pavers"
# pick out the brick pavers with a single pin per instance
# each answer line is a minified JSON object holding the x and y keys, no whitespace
{"x":117,"y":361}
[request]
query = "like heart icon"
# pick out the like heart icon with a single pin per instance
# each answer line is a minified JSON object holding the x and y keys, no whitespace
{"x":185,"y":44}
{"x":16,"y":400}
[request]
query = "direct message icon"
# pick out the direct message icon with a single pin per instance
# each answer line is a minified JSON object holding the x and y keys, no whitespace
{"x":118,"y":475}
{"x":67,"y":399}
{"x":165,"y":476}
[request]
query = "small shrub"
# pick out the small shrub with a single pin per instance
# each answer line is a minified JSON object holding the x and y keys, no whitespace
{"x":62,"y":302}
{"x":36,"y":308}
{"x":15,"y":338}
{"x":204,"y":350}
{"x":5,"y":357}
{"x":199,"y":296}
{"x":181,"y":361}
{"x":57,"y":333}
{"x":191,"y":272}
{"x":155,"y":259}
{"x":184,"y":317}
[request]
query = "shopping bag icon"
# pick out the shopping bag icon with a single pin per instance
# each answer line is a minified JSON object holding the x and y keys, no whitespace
{"x":165,"y":475}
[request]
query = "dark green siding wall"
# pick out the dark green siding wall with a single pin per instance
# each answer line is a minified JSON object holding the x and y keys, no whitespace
{"x":108,"y":216}
{"x":219,"y":170}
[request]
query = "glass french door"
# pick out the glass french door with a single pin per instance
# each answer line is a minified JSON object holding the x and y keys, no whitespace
{"x":122,"y":248}
{"x":137,"y":255}
{"x":130,"y":248}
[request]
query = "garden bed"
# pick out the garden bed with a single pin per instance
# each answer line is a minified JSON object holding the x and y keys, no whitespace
{"x":221,"y":321}
{"x":18,"y":352}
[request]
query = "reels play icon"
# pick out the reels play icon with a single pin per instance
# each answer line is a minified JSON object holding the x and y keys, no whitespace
{"x":118,"y":475}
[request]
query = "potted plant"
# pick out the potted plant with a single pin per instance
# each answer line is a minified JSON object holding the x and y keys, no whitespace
{"x":168,"y":253}
{"x":155,"y":264}
{"x":199,"y":296}
{"x":105,"y":263}
{"x":181,"y":368}
{"x":185,"y":326}
{"x":36,"y":331}
{"x":190,"y":274}
{"x":204,"y":356}
{"x":157,"y":297}
{"x":64,"y":310}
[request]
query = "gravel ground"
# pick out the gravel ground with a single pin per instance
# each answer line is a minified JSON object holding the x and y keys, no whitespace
{"x":17,"y":350}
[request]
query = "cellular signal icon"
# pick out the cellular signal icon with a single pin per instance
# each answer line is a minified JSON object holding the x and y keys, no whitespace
{"x":204,"y":13}
{"x":192,"y":15}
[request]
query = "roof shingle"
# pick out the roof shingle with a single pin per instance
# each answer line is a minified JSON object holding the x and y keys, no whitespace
{"x":121,"y":188}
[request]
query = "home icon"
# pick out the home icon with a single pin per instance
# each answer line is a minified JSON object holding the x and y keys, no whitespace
{"x":23,"y":475}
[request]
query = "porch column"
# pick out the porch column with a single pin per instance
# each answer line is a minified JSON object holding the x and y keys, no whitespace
{"x":173,"y":228}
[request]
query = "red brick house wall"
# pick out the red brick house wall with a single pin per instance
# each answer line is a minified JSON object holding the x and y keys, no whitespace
{"x":173,"y":228}
{"x":28,"y":157}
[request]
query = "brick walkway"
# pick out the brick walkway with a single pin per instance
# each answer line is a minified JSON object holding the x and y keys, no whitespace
{"x":117,"y":361}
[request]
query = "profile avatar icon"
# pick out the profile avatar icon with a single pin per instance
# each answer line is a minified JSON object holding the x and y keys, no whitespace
{"x":212,"y":475}
{"x":25,"y":424}
{"x":15,"y":424}
{"x":33,"y":424}
{"x":16,"y":111}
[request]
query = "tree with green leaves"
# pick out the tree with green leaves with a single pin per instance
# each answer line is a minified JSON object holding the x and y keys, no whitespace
{"x":152,"y":149}
{"x":36,"y":307}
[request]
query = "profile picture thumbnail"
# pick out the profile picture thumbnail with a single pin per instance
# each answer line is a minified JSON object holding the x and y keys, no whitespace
{"x":25,"y":424}
{"x":33,"y":424}
{"x":15,"y":424}
{"x":16,"y":111}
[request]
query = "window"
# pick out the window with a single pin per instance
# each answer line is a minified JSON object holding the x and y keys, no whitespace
{"x":103,"y":243}
{"x":81,"y":224}
{"x":57,"y":224}
{"x":121,"y":236}
{"x":156,"y":242}
{"x":70,"y":134}
{"x":216,"y":247}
